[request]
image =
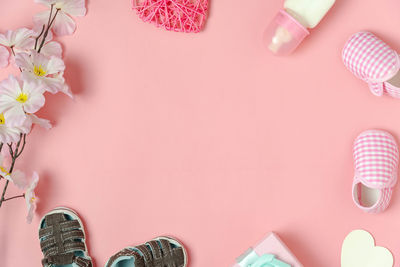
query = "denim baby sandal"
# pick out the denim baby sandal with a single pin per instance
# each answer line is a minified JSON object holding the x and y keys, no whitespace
{"x":62,"y":239}
{"x":159,"y":252}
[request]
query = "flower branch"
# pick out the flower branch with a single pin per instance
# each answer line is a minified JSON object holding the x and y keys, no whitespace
{"x":15,"y":197}
{"x":14,"y":155}
{"x":49,"y":24}
{"x":39,"y":59}
{"x":38,"y":37}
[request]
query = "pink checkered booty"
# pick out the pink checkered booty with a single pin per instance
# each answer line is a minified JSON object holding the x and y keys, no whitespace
{"x":376,"y":157}
{"x":373,"y":61}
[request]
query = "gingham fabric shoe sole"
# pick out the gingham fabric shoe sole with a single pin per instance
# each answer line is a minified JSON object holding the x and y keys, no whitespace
{"x":373,"y":61}
{"x":159,"y":252}
{"x":62,"y":239}
{"x":376,"y":157}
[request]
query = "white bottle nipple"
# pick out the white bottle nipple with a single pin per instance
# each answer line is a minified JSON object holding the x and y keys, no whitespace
{"x":282,"y":36}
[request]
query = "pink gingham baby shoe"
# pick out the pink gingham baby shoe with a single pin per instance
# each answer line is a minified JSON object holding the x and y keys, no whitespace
{"x":376,"y":156}
{"x":373,"y":61}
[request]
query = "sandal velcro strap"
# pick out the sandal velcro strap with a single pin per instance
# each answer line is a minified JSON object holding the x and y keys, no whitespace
{"x":173,"y":259}
{"x":45,"y":232}
{"x":81,"y":262}
{"x":70,"y":225}
{"x":63,"y":259}
{"x":146,"y":253}
{"x":73,"y":235}
{"x":166,"y":247}
{"x":155,"y":248}
{"x":47,"y":244}
{"x":74,"y":246}
{"x":66,"y":259}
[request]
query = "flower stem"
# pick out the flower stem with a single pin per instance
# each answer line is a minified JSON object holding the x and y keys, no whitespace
{"x":50,"y":23}
{"x":14,"y":197}
{"x":23,"y":146}
{"x":4,"y":192}
{"x":51,"y":13}
{"x":14,"y":155}
{"x":38,"y":37}
{"x":13,"y":52}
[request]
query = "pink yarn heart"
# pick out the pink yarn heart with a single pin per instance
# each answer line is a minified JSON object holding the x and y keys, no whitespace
{"x":173,"y":15}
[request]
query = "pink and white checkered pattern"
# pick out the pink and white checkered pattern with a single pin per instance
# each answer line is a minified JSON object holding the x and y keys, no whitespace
{"x":371,"y":60}
{"x":376,"y":157}
{"x":392,"y":90}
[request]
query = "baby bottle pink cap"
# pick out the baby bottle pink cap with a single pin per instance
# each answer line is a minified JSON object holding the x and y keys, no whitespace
{"x":292,"y":25}
{"x":284,"y":34}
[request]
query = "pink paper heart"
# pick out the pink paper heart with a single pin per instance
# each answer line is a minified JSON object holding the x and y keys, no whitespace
{"x":173,"y":15}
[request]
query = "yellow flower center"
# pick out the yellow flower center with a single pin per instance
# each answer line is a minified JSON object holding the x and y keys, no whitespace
{"x":39,"y":71}
{"x":22,"y":98}
{"x":2,"y":120}
{"x":4,"y":170}
{"x":32,"y":200}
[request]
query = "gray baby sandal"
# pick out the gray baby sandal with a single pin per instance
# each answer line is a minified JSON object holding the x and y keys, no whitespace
{"x":62,"y":240}
{"x":159,"y":252}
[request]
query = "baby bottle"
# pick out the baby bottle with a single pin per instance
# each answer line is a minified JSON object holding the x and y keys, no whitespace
{"x":290,"y":26}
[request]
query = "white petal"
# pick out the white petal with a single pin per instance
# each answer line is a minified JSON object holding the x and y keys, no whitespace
{"x":19,"y":179}
{"x":41,"y":18}
{"x":10,"y":87}
{"x":26,"y":126}
{"x":74,"y":7}
{"x":4,"y":57}
{"x":24,"y":61}
{"x":34,"y":182}
{"x":41,"y":122}
{"x":64,"y":24}
{"x":53,"y":85}
{"x":33,"y":87}
{"x":36,"y":99}
{"x":45,"y":2}
{"x":29,"y":76}
{"x":12,"y":134}
{"x":39,"y":59}
{"x":52,"y":49}
{"x":31,"y":213}
{"x":8,"y":38}
{"x":55,"y":65}
{"x":34,"y":103}
{"x":67,"y":90}
{"x":23,"y":39}
{"x":6,"y":102}
{"x":15,"y":116}
{"x":8,"y":135}
{"x":25,"y":44}
{"x":30,"y":197}
{"x":4,"y":40}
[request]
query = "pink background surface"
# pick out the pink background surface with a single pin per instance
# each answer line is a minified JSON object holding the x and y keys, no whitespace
{"x":233,"y":145}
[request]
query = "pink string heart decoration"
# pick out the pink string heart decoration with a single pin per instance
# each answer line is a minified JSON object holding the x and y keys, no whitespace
{"x":173,"y":15}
